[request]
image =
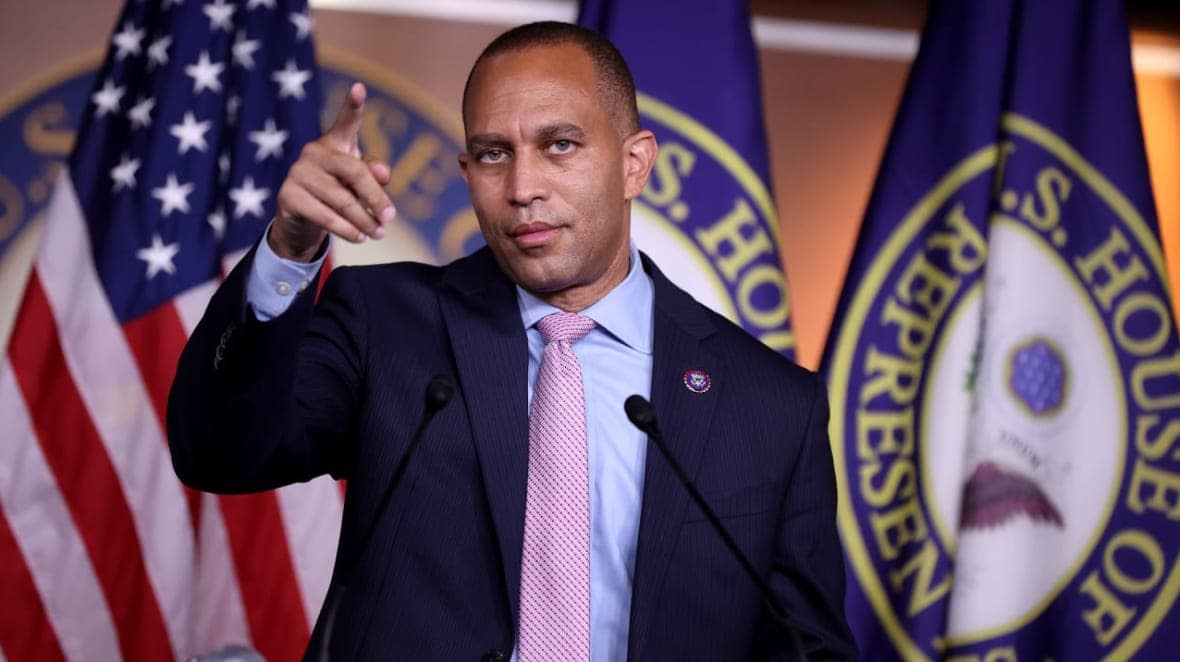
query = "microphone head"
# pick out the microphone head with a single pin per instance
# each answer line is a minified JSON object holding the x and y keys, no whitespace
{"x":640,"y":412}
{"x":439,"y":392}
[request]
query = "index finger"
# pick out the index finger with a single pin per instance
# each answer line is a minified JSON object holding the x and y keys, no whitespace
{"x":345,"y":131}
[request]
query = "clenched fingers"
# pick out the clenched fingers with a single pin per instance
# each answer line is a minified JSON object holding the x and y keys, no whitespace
{"x":343,"y":183}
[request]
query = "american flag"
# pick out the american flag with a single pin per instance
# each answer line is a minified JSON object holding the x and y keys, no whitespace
{"x":196,"y":114}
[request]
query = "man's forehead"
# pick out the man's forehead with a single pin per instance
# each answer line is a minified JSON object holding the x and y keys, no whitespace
{"x":556,"y":61}
{"x":541,"y":129}
{"x":537,"y":86}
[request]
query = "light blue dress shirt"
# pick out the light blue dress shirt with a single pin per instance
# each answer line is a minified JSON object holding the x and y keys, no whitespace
{"x":274,"y":281}
{"x":616,"y":362}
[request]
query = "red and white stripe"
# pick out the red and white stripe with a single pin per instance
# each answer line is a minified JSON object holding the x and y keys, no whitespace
{"x":109,"y":557}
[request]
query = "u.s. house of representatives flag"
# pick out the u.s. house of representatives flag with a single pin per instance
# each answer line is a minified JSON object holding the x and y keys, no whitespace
{"x":193,"y":120}
{"x":1004,"y":369}
{"x":706,"y":216}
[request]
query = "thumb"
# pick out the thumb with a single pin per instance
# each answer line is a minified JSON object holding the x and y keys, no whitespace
{"x":379,"y":170}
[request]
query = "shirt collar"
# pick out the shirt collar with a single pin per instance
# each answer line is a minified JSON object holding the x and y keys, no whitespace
{"x":625,"y":312}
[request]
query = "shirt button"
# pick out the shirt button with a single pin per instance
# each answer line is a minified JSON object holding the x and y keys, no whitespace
{"x":282,"y":288}
{"x":303,"y":286}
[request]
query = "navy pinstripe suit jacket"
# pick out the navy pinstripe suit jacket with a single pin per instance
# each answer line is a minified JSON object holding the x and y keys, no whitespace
{"x":337,"y":387}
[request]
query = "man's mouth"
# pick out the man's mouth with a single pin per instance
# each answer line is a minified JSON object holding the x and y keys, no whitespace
{"x":533,"y":235}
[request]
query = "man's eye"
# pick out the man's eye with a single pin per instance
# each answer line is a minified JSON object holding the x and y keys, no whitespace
{"x":492,"y":156}
{"x":561,"y":146}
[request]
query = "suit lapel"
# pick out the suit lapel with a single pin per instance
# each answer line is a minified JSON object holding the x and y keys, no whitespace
{"x":684,"y":416}
{"x":491,"y":355}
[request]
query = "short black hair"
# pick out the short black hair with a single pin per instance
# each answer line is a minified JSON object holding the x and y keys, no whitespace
{"x":615,"y":83}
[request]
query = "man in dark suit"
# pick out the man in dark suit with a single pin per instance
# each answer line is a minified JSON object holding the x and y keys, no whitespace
{"x":468,"y":559}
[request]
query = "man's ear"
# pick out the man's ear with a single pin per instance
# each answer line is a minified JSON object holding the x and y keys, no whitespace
{"x":639,"y":154}
{"x":464,"y":157}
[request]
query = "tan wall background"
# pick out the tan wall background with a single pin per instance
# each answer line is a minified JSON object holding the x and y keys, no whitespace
{"x":828,"y":116}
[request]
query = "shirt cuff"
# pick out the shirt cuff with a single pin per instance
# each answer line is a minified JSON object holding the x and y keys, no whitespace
{"x":274,"y":281}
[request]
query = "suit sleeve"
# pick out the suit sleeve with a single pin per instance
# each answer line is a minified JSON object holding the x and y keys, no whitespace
{"x":255,"y":405}
{"x":808,"y":564}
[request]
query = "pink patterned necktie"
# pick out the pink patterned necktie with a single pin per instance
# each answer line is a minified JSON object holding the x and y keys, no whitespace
{"x":555,"y":560}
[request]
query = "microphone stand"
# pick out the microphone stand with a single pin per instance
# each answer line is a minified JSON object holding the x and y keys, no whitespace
{"x":642,"y":416}
{"x":439,"y":392}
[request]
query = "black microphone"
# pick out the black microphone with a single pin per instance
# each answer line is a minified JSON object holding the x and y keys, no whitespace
{"x":439,"y":392}
{"x":643,"y":416}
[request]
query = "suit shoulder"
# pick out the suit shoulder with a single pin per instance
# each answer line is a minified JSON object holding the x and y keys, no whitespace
{"x":471,"y":271}
{"x":381,"y":281}
{"x":385,"y":272}
{"x":726,"y":340}
{"x":746,"y":353}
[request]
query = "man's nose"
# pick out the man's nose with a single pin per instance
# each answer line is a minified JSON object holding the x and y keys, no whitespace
{"x":527,"y":180}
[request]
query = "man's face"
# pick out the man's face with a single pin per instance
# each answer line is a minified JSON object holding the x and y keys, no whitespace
{"x":550,"y":175}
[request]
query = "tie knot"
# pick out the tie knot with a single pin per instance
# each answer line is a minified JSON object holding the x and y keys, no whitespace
{"x":570,"y":327}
